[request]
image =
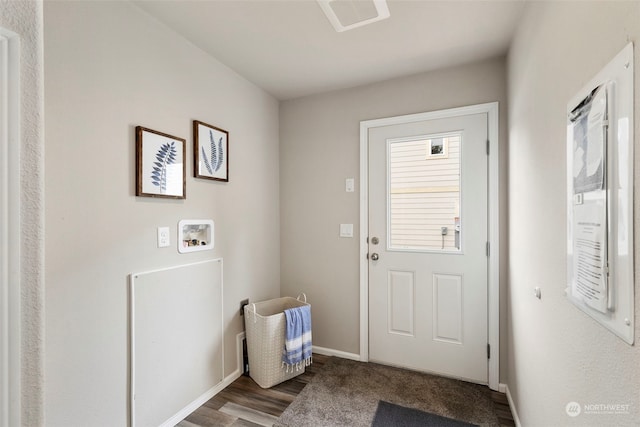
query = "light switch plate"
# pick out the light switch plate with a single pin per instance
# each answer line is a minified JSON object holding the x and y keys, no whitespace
{"x":163,"y":237}
{"x":346,"y":230}
{"x":349,"y":185}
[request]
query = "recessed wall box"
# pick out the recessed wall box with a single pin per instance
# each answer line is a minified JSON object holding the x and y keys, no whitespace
{"x":195,"y":235}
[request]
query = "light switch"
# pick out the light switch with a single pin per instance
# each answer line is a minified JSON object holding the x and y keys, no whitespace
{"x":163,"y":237}
{"x":346,"y":230}
{"x":349,"y":185}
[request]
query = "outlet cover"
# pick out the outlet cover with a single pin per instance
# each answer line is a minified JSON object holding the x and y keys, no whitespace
{"x":346,"y":230}
{"x":163,"y":237}
{"x":349,"y":185}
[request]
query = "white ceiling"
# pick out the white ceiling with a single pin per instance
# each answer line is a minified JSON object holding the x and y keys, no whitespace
{"x":290,"y":49}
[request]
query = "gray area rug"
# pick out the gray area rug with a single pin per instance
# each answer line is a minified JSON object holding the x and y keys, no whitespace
{"x":389,"y":414}
{"x":346,"y":393}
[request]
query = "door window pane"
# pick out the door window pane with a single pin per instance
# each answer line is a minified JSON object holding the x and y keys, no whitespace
{"x":424,"y":193}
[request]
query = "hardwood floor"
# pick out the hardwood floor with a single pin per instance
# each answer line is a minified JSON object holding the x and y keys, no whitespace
{"x":244,"y":403}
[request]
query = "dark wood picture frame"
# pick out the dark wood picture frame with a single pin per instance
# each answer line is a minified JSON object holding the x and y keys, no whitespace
{"x":210,"y":152}
{"x":160,"y":164}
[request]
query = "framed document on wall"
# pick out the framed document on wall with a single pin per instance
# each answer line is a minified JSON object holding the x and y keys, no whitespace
{"x":600,"y":167}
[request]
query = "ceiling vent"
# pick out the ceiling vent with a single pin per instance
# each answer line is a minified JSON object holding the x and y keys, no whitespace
{"x":348,"y":14}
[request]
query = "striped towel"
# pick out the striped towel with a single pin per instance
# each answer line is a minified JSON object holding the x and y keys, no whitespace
{"x":297,"y":347}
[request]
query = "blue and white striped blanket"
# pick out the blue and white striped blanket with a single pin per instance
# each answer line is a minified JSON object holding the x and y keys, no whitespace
{"x":297,"y":347}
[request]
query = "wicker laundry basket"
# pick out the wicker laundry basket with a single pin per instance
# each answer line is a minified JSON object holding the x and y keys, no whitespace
{"x":265,"y":323}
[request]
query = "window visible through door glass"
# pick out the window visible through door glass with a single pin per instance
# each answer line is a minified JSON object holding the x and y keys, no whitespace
{"x":424,"y":193}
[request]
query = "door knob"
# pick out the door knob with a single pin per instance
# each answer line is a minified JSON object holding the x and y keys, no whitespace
{"x":374,"y":256}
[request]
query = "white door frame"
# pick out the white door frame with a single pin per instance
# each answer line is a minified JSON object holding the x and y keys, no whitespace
{"x":9,"y":229}
{"x":493,"y":275}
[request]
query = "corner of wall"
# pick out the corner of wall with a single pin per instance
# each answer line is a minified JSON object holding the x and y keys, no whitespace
{"x":26,"y":20}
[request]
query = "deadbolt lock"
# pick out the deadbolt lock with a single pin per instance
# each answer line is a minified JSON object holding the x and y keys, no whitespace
{"x":375,"y":240}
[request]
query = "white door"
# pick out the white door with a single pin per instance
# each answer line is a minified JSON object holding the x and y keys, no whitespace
{"x":428,"y":188}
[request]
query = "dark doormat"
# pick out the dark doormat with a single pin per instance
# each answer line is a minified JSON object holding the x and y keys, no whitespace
{"x":390,"y":415}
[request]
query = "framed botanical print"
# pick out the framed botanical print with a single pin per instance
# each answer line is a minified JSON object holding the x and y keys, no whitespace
{"x":160,"y":166}
{"x":210,"y":152}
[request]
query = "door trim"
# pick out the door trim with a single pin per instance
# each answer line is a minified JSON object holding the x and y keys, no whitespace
{"x":493,"y":267}
{"x":10,"y":365}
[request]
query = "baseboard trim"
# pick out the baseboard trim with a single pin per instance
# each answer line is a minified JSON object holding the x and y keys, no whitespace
{"x":201,"y":400}
{"x":212,"y":391}
{"x":512,"y":406}
{"x":331,"y":352}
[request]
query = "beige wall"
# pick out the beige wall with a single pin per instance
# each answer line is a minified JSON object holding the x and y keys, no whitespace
{"x":557,"y":354}
{"x":108,"y":68}
{"x":24,"y":20}
{"x":319,"y":148}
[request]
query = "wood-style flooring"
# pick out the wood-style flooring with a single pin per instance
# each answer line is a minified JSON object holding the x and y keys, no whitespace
{"x":244,"y":403}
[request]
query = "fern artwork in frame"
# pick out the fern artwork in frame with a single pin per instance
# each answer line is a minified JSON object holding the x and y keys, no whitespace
{"x":210,"y":152}
{"x":160,"y":166}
